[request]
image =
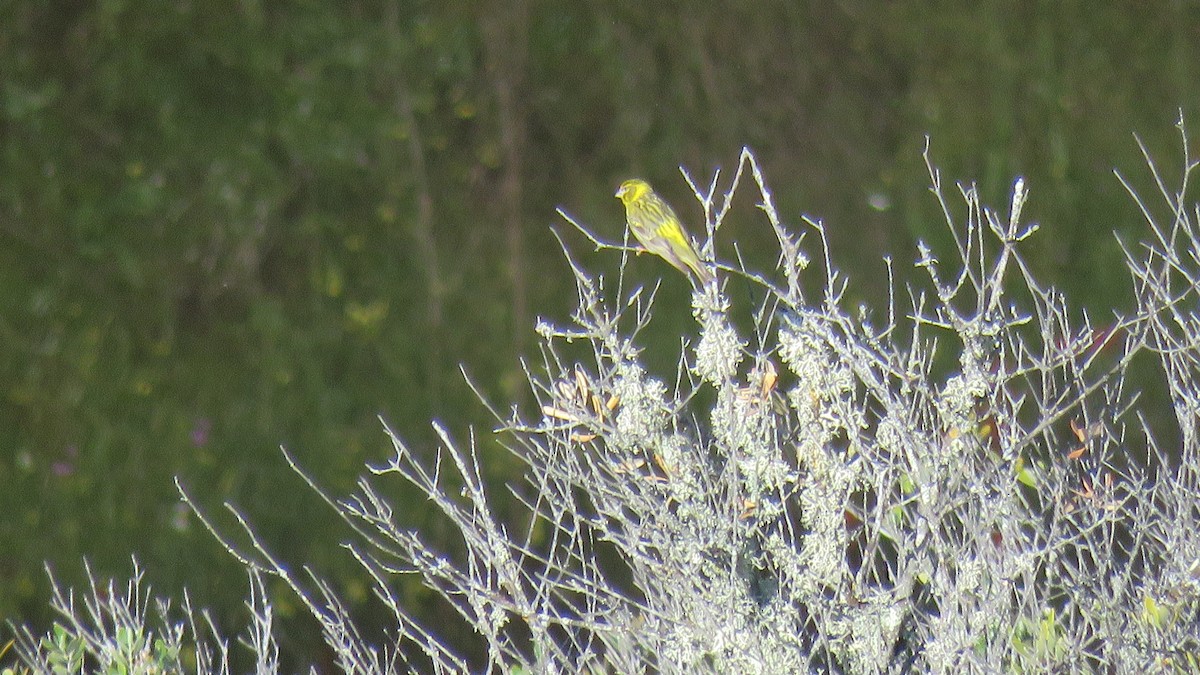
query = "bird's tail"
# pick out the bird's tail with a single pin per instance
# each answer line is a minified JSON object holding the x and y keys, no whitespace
{"x":704,"y":276}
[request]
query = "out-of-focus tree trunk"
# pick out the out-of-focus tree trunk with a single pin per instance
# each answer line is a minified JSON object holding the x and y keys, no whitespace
{"x":505,"y":30}
{"x":423,"y":224}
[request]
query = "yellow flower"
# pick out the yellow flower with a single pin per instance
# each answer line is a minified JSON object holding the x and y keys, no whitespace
{"x":654,"y":224}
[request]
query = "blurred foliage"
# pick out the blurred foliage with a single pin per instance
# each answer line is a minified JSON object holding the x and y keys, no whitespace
{"x":230,"y":226}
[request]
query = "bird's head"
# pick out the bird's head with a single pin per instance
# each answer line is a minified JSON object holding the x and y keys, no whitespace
{"x":632,"y":190}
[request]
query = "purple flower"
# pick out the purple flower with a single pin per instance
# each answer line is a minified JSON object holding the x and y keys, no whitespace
{"x":200,"y":432}
{"x":66,"y":466}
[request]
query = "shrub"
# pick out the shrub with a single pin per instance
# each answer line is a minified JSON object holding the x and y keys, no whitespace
{"x":958,"y":480}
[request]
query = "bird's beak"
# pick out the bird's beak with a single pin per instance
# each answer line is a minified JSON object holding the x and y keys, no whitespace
{"x":620,"y":191}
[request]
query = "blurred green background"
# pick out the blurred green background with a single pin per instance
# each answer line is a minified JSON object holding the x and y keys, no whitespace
{"x":230,"y":226}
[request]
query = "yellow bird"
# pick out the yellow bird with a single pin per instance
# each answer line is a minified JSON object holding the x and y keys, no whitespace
{"x":655,"y":225}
